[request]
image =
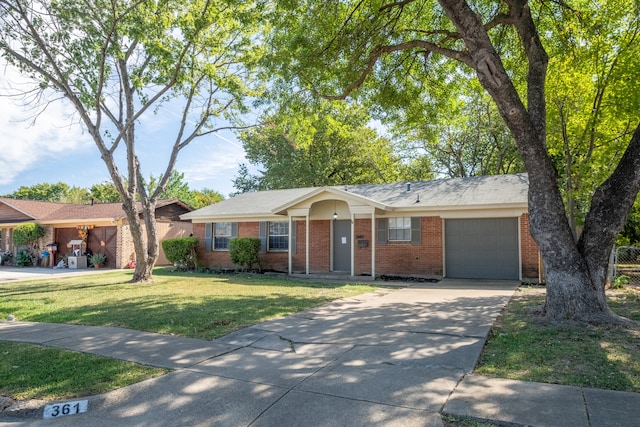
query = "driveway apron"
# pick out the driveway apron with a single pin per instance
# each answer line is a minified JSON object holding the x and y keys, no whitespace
{"x":388,"y":358}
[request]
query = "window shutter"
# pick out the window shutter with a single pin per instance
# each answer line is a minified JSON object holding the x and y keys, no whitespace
{"x":293,"y":237}
{"x":262,"y":234}
{"x":208,"y":233}
{"x":234,"y":229}
{"x":416,"y":230}
{"x":382,"y":230}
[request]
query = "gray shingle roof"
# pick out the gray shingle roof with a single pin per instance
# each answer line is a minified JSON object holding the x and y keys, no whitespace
{"x":473,"y":191}
{"x":259,"y":203}
{"x":484,"y":191}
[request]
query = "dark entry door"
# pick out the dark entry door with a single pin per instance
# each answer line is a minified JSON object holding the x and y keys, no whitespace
{"x":342,"y":245}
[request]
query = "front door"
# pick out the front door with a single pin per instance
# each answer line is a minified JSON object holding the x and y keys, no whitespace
{"x":342,"y":246}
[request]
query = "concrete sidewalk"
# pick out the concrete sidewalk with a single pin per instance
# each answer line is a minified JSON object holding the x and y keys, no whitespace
{"x":390,"y":358}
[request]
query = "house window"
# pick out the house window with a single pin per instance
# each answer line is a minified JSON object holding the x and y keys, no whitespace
{"x":278,"y":236}
{"x":400,"y":229}
{"x":221,"y":235}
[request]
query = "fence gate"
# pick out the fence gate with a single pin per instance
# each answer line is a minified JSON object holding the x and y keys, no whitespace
{"x":626,"y":262}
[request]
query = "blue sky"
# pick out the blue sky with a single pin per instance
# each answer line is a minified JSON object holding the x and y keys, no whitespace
{"x":55,"y":148}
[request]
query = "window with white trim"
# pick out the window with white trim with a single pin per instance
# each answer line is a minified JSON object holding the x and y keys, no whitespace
{"x":278,"y":236}
{"x":222,"y":232}
{"x":399,"y":229}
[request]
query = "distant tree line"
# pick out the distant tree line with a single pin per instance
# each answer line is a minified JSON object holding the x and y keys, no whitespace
{"x":106,"y":192}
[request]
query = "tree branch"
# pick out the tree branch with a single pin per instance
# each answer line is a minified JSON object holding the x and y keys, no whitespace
{"x":537,"y":62}
{"x":382,"y":50}
{"x":611,"y":204}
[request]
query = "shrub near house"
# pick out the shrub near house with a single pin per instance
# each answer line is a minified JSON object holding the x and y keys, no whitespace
{"x":181,"y":251}
{"x":244,"y":251}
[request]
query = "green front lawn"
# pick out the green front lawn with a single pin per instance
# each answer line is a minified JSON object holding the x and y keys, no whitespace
{"x":201,"y":306}
{"x":524,"y":347}
{"x":30,"y":371}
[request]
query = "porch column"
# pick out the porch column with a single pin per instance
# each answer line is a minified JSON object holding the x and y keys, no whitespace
{"x":307,"y":240}
{"x":373,"y":244}
{"x":353,"y":244}
{"x":289,"y":255}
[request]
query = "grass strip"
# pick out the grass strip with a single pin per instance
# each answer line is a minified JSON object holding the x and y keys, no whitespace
{"x":29,"y":371}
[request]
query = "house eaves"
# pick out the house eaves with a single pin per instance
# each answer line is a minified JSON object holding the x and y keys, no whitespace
{"x":441,"y":208}
{"x":336,"y":191}
{"x":250,"y":204}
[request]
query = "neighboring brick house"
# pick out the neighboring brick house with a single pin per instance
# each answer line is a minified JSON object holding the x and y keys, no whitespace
{"x":463,"y":228}
{"x":103,"y":226}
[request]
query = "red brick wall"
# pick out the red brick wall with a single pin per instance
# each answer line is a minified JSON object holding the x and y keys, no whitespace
{"x":362,"y":255}
{"x":424,"y":258}
{"x":319,"y":251}
{"x":277,"y":261}
{"x":528,"y":250}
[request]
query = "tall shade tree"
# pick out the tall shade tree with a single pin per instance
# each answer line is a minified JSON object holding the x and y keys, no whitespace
{"x":412,"y":49}
{"x":178,"y":188}
{"x":468,"y":138}
{"x":104,"y":192}
{"x":592,"y":102}
{"x":44,"y":192}
{"x":120,"y":61}
{"x":318,"y":144}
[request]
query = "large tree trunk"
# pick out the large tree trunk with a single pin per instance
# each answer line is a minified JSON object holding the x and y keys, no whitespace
{"x":575,"y":271}
{"x":152,"y":244}
{"x":143,"y":271}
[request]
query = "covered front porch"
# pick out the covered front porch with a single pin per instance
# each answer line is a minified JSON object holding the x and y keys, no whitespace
{"x":332,"y":234}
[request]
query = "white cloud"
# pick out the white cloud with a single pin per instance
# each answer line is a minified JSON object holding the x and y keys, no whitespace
{"x":25,"y":143}
{"x":212,"y":164}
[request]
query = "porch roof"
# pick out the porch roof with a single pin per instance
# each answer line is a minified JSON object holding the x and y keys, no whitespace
{"x":454,"y":193}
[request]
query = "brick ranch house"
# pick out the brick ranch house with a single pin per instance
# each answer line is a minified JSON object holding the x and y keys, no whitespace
{"x":460,"y":228}
{"x":103,"y":226}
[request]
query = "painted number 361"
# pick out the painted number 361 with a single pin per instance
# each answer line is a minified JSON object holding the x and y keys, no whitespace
{"x":62,"y":409}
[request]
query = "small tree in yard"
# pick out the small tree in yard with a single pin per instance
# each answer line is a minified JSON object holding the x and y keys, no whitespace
{"x":181,"y":252}
{"x":29,"y":235}
{"x":244,"y":251}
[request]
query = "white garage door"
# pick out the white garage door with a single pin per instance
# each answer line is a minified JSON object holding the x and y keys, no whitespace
{"x":482,"y":248}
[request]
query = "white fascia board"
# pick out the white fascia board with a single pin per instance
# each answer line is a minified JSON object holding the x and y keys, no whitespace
{"x":500,"y":210}
{"x":87,"y":221}
{"x":341,"y":195}
{"x":238,"y":218}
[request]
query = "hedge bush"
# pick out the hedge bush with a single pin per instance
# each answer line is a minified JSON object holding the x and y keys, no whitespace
{"x":181,"y":252}
{"x":244,"y":251}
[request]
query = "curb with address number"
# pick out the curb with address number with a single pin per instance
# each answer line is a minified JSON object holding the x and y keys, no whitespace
{"x":63,"y":409}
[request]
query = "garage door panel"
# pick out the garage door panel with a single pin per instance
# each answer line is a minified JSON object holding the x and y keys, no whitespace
{"x":482,"y":248}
